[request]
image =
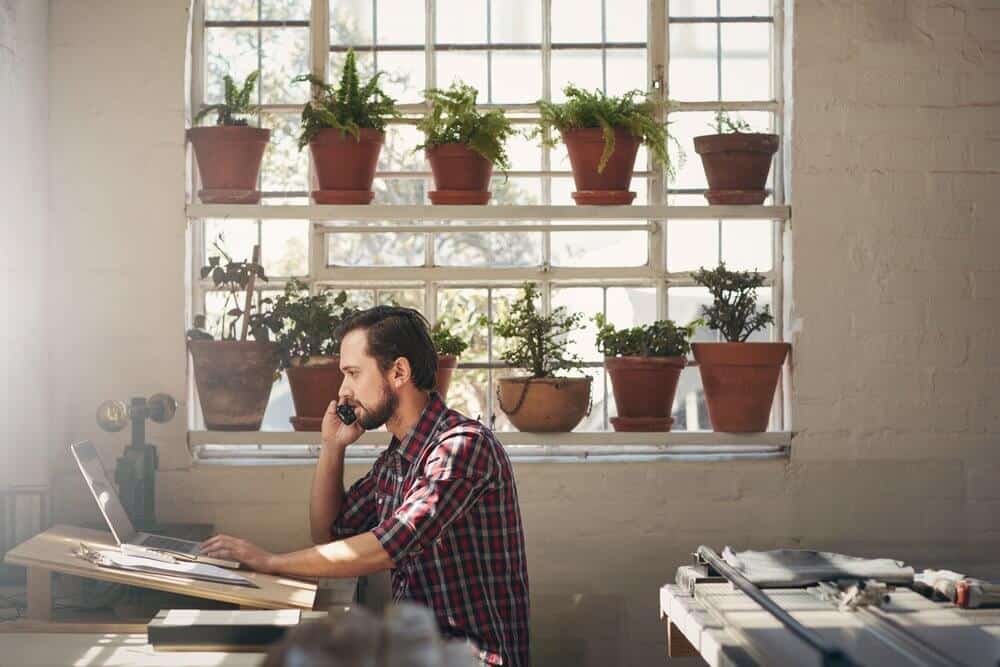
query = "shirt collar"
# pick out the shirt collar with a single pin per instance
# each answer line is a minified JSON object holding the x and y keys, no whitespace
{"x":411,"y":445}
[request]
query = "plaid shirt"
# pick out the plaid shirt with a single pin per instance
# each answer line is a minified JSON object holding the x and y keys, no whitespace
{"x":444,"y":506}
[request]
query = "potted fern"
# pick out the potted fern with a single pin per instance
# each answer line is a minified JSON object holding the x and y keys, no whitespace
{"x":344,"y":128}
{"x":229,"y":153}
{"x":234,"y":375}
{"x":307,"y":349}
{"x":542,"y":400}
{"x":602,"y":135}
{"x":644,"y":363}
{"x":448,"y":347}
{"x":736,"y":161}
{"x":463,"y":145}
{"x":739,"y":378}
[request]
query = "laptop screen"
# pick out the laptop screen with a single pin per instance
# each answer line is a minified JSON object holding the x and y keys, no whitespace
{"x":104,"y":493}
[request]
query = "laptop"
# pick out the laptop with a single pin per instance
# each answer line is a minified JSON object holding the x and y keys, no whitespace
{"x":121,"y":526}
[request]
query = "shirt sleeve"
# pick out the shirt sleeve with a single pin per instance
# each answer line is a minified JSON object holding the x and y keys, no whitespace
{"x":457,"y":473}
{"x":357,"y":512}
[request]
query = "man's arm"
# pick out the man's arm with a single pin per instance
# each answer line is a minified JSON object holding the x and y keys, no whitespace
{"x":352,"y":557}
{"x":327,"y":497}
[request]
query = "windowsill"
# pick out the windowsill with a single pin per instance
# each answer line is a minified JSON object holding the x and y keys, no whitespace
{"x":288,"y":448}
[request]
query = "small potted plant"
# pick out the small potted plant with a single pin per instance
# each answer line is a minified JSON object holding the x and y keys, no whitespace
{"x":234,"y":375}
{"x":229,"y":153}
{"x":541,"y":401}
{"x":645,"y":363}
{"x":448,"y":347}
{"x":344,"y":128}
{"x":307,"y":349}
{"x":602,"y":135}
{"x":736,"y":161}
{"x":463,"y":145}
{"x":739,"y":378}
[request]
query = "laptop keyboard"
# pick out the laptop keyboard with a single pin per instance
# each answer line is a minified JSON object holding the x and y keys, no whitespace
{"x":169,"y":544}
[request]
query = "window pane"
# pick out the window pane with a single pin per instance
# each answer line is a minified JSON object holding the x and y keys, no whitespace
{"x":746,"y":63}
{"x":520,"y":191}
{"x":375,"y":249}
{"x":764,"y":298}
{"x":746,"y":7}
{"x":397,"y":151}
{"x":684,"y":305}
{"x":465,"y":66}
{"x":516,"y":22}
{"x":461,"y":21}
{"x":285,"y":10}
{"x":235,"y":237}
{"x":690,"y":412}
{"x":575,"y":21}
{"x":693,"y":66}
{"x":603,"y":248}
{"x":285,"y":247}
{"x":399,"y":296}
{"x":685,"y":126}
{"x":581,"y":68}
{"x":626,"y":20}
{"x":692,"y":244}
{"x":400,"y":22}
{"x":350,"y":22}
{"x":525,"y":154}
{"x":461,"y":307}
{"x":486,"y":249}
{"x":469,"y":391}
{"x":284,"y":55}
{"x":747,"y":244}
{"x":399,"y":191}
{"x":358,"y":298}
{"x":590,"y":302}
{"x":280,"y":407}
{"x":230,"y":10}
{"x":285,"y":168}
{"x":365,"y":62}
{"x":626,"y":71}
{"x":231,"y":51}
{"x":404,"y":79}
{"x":631,"y":306}
{"x":694,"y":7}
{"x":517,"y":77}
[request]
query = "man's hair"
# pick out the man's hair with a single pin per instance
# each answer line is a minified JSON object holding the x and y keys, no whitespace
{"x":393,"y":332}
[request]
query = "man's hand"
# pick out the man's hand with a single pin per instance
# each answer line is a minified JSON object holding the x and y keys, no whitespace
{"x":231,"y":548}
{"x":336,"y":433}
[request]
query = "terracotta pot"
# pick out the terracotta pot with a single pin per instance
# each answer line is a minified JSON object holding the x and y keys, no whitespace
{"x":544,"y":404}
{"x":461,"y":175}
{"x":447,"y":363}
{"x":736,"y":166}
{"x":644,"y":389}
{"x":234,"y":382}
{"x":345,"y":166}
{"x":314,"y":386}
{"x":229,"y":162}
{"x":739,"y":381}
{"x":585,"y":146}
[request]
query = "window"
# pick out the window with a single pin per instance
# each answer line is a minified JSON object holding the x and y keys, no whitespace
{"x":631,"y":264}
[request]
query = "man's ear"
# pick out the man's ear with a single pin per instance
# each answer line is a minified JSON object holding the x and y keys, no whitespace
{"x":401,"y":372}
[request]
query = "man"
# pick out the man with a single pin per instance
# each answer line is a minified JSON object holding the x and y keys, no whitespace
{"x":439,"y":507}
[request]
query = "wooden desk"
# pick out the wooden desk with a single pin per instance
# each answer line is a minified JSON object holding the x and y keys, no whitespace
{"x":30,"y":649}
{"x":52,"y":551}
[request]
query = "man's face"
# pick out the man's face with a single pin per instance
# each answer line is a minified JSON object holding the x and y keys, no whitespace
{"x":365,"y":386}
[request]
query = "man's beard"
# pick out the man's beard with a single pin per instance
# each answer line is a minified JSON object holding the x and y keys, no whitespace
{"x":381,"y":413}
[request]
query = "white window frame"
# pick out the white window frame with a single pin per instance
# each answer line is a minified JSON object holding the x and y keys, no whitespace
{"x":270,"y":447}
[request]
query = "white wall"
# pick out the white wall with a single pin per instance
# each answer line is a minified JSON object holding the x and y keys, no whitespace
{"x":24,"y":77}
{"x":895,"y":161}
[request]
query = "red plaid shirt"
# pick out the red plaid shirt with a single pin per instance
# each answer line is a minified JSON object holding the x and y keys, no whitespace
{"x":444,"y":506}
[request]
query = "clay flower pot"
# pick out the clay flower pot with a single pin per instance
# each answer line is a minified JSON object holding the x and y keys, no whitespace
{"x":345,"y":166}
{"x":544,"y":405}
{"x":739,"y":381}
{"x":461,"y":175}
{"x":447,"y":363}
{"x":736,"y":166}
{"x":234,"y":380}
{"x":314,"y":385}
{"x":585,"y":146}
{"x":229,"y":162}
{"x":644,"y":389}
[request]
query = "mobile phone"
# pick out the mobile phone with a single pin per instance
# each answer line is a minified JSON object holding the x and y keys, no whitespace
{"x":346,"y":414}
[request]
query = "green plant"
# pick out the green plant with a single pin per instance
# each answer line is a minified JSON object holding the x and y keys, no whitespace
{"x":734,"y":302}
{"x":583,"y":109}
{"x":662,"y":338}
{"x":445,"y":341}
{"x":234,"y":278}
{"x":537,"y":342}
{"x":349,"y":107}
{"x":237,"y":103}
{"x":304,"y":324}
{"x":724,"y":123}
{"x":454,"y":119}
